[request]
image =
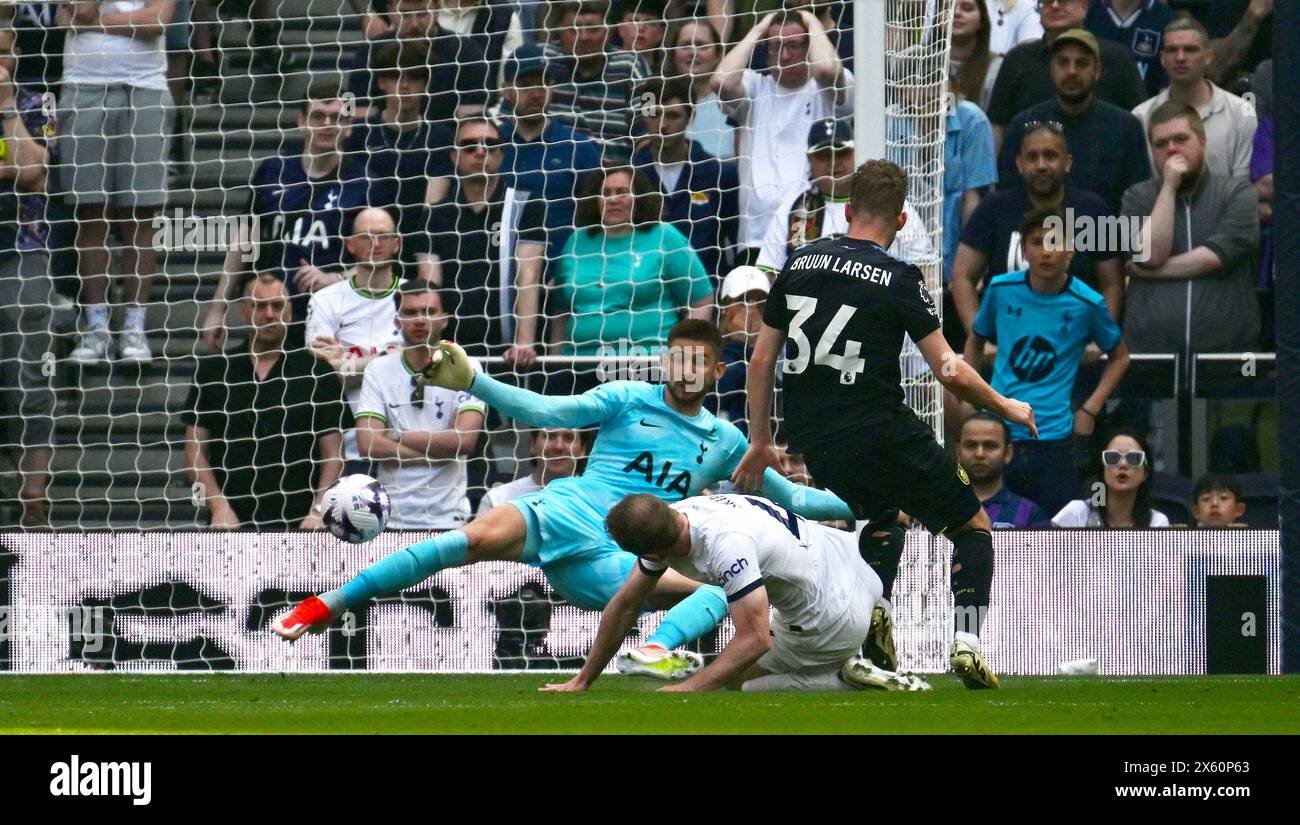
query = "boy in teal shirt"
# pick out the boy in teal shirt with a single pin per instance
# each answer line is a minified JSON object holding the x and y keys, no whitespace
{"x":1041,"y":319}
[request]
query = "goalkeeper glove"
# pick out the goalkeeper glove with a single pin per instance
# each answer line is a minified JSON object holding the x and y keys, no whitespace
{"x":450,"y":368}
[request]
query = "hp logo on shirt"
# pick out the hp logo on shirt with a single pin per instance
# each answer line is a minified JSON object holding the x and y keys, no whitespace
{"x":1032,"y":358}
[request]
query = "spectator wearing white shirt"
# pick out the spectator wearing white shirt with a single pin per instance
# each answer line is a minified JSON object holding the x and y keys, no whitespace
{"x":816,"y":210}
{"x":419,"y":436}
{"x":557,"y":453}
{"x":805,"y":82}
{"x":1229,"y":120}
{"x":1013,"y":22}
{"x":1122,"y":499}
{"x":352,"y":322}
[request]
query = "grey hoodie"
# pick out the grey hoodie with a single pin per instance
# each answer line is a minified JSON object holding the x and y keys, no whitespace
{"x":1217,"y":312}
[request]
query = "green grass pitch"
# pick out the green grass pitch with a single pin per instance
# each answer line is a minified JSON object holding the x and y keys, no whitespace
{"x":375,"y":703}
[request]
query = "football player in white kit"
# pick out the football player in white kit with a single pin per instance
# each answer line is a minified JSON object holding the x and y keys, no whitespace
{"x":764,"y":557}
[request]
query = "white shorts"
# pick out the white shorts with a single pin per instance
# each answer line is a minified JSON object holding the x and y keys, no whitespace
{"x":849,"y":592}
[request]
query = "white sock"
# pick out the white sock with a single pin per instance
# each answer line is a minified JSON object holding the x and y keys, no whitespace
{"x":97,"y":316}
{"x":135,"y":317}
{"x":969,"y":638}
{"x":821,"y":683}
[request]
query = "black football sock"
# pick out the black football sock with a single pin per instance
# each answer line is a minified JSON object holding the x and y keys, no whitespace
{"x":972,"y":579}
{"x":883,"y":552}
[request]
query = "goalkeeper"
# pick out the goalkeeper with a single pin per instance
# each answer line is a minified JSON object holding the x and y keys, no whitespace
{"x":651,"y":439}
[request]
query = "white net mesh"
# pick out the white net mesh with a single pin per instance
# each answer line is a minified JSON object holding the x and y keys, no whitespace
{"x":166,"y":153}
{"x":917,"y":34}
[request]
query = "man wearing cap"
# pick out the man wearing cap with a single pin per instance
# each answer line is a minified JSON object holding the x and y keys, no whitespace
{"x":742,"y":296}
{"x":699,"y":191}
{"x":818,"y":210}
{"x":1106,"y":142}
{"x":542,"y":156}
{"x":1023,"y":79}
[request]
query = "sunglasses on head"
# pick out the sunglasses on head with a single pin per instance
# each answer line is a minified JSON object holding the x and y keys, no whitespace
{"x":1133,"y":458}
{"x":1053,"y":126}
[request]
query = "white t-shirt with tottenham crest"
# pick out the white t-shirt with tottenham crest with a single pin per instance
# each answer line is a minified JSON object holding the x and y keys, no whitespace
{"x":363,"y":322}
{"x":424,"y":495}
{"x":773,"y":158}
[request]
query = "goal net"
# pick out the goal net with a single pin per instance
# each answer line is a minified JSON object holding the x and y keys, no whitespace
{"x":208,"y":211}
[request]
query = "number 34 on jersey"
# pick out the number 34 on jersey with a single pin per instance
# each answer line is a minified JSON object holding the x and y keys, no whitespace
{"x":850,"y":364}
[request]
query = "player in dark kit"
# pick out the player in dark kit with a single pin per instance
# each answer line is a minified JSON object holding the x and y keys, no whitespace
{"x":844,"y":305}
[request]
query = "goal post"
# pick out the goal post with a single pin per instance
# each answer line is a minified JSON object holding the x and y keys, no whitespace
{"x":901,"y":104}
{"x":108,"y":449}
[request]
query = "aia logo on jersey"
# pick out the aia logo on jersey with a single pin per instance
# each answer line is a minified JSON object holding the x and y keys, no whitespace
{"x":1032,"y":358}
{"x":679,"y":482}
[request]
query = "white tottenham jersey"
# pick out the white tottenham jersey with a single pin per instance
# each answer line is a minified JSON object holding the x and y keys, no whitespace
{"x":742,"y":542}
{"x":363,"y":322}
{"x":424,"y":495}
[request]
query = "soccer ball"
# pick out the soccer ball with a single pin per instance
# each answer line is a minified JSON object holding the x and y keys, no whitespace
{"x":355,"y":508}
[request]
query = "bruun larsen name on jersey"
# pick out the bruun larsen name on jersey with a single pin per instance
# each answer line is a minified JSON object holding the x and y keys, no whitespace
{"x":844,"y":266}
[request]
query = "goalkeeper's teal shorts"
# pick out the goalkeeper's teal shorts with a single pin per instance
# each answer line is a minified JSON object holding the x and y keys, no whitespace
{"x":567,"y":539}
{"x":590,"y":583}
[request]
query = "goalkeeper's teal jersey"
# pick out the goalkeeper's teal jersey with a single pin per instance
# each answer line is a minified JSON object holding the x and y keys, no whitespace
{"x":643,"y":446}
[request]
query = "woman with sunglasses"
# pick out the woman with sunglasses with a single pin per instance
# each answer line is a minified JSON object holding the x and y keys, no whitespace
{"x":1125,"y":500}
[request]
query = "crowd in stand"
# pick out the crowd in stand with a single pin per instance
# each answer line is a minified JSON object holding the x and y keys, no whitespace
{"x":572,"y":178}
